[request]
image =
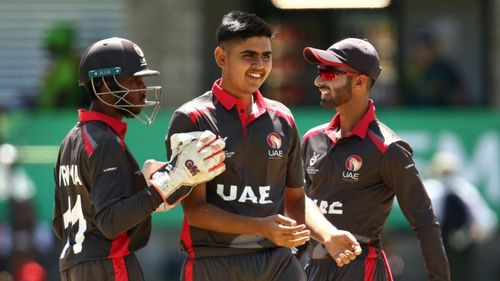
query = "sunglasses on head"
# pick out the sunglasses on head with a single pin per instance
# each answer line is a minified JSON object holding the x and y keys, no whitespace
{"x":330,"y":74}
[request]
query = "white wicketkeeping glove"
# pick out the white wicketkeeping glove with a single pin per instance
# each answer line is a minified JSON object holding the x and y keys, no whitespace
{"x":197,"y":157}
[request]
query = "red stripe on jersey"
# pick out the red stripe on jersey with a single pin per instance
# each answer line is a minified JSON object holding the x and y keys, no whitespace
{"x":89,"y":148}
{"x":119,"y":249}
{"x":119,"y":246}
{"x":378,"y":141}
{"x":312,"y":132}
{"x":387,"y":268}
{"x":188,"y":245}
{"x":285,"y":115}
{"x":188,"y":270}
{"x":120,"y":269}
{"x":195,"y":115}
{"x":370,"y":262}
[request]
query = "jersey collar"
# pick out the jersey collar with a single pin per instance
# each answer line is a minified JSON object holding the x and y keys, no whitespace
{"x":117,"y":125}
{"x":229,"y":101}
{"x":361,"y":128}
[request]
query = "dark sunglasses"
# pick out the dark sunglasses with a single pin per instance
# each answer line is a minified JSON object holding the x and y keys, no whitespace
{"x":330,"y":74}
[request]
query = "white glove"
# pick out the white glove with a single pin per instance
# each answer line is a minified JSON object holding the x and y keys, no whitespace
{"x":198,"y":158}
{"x":181,"y":140}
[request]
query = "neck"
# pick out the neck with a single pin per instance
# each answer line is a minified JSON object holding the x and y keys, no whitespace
{"x":245,"y":98}
{"x":105,"y":109}
{"x":350,"y":115}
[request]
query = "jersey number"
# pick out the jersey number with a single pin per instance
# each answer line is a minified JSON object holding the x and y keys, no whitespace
{"x":71,"y":217}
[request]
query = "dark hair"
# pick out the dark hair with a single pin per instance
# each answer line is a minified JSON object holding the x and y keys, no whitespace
{"x":238,"y":25}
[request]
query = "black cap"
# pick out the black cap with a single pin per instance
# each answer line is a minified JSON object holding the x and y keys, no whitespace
{"x":359,"y":54}
{"x":113,"y":56}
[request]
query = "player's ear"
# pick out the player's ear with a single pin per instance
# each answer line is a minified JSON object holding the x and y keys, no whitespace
{"x":360,"y":81}
{"x":220,"y":56}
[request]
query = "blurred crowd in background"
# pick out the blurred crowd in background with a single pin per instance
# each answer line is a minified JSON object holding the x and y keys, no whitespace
{"x":433,"y":55}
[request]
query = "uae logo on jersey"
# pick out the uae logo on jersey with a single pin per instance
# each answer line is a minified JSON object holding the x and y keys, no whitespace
{"x":274,"y":142}
{"x":353,"y":163}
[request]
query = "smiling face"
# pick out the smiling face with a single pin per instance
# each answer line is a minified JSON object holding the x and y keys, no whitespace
{"x":335,"y":92}
{"x":245,"y":64}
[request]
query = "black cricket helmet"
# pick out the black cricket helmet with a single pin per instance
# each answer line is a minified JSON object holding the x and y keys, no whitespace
{"x":107,"y":59}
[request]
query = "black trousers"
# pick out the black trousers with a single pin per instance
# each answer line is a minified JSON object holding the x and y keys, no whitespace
{"x":276,"y":264}
{"x":116,"y":269}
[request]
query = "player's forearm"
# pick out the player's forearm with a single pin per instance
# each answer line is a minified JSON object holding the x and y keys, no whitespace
{"x":433,"y":252}
{"x":126,"y":213}
{"x":210,"y":217}
{"x":321,"y":229}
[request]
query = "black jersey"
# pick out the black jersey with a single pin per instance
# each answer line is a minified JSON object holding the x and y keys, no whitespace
{"x":262,"y":158}
{"x":354,"y":180}
{"x":102,"y":202}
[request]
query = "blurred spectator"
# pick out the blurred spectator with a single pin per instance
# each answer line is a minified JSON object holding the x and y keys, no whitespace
{"x":430,"y":79}
{"x":20,"y":234}
{"x":59,"y":88}
{"x":465,"y":217}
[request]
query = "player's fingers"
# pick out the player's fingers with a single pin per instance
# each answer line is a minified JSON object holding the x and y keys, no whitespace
{"x":284,"y":221}
{"x":350,"y":255}
{"x":357,"y":250}
{"x":213,"y":148}
{"x":295,"y":242}
{"x":181,"y":139}
{"x":295,"y":234}
{"x":212,"y":161}
{"x":207,"y":137}
{"x":217,"y":170}
{"x":342,"y":260}
{"x":355,"y":244}
{"x":293,"y":228}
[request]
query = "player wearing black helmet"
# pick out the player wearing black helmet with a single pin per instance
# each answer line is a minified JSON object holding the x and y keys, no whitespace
{"x":102,"y":201}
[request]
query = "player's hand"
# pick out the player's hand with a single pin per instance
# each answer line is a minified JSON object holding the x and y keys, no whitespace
{"x":198,"y":161}
{"x":283,"y":231}
{"x":150,"y":167}
{"x":343,"y":247}
{"x":180,"y":140}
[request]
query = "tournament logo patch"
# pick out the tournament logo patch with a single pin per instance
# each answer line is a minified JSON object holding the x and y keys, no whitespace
{"x":314,"y":158}
{"x":274,"y":140}
{"x":353,"y":163}
{"x":311,"y":170}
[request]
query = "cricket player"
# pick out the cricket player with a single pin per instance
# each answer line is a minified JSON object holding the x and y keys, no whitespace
{"x":355,"y":166}
{"x":242,"y":224}
{"x":103,"y":203}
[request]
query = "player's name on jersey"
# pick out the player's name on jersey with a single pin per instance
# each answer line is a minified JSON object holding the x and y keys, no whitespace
{"x":69,"y":175}
{"x":245,"y":194}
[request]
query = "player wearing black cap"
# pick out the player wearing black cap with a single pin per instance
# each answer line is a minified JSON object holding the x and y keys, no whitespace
{"x":355,"y":166}
{"x":239,"y":225}
{"x":102,"y":201}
